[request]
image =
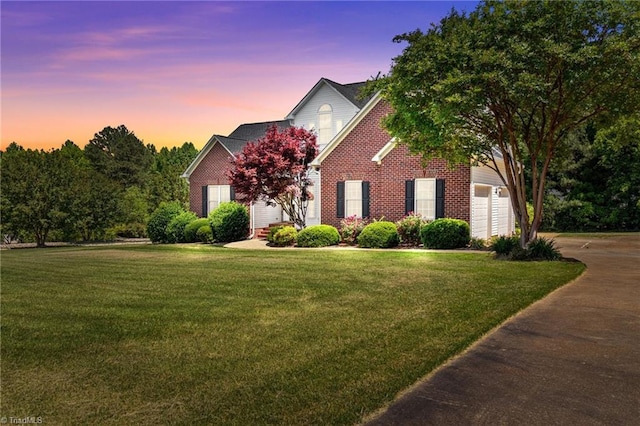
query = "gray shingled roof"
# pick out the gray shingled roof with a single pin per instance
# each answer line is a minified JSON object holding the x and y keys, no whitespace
{"x":351,"y":91}
{"x":232,"y":145}
{"x":247,"y":133}
{"x":253,"y":131}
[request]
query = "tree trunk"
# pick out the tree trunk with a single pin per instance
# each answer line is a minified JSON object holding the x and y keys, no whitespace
{"x":41,"y":239}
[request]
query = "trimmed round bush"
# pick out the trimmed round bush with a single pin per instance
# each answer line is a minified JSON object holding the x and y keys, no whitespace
{"x":318,"y":236}
{"x":229,"y":222}
{"x":204,"y":234}
{"x":272,"y":233}
{"x":285,"y":236}
{"x":160,"y":219}
{"x":446,"y":234}
{"x":381,"y":234}
{"x":191,"y":229}
{"x":176,"y":228}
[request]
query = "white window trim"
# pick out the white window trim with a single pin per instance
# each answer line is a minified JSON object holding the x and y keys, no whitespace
{"x":353,"y":203}
{"x":430,"y":212}
{"x":217,"y":194}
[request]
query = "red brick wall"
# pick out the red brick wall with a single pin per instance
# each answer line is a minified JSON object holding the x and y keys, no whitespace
{"x":351,"y":160}
{"x":210,"y":171}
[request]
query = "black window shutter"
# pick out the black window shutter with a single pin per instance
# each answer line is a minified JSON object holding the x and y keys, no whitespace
{"x":340,"y":200}
{"x":439,"y":198}
{"x":365,"y":200}
{"x":409,"y":196}
{"x":205,"y":201}
{"x":232,"y":193}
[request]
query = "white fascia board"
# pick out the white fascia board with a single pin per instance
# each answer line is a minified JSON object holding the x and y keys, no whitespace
{"x":203,"y":153}
{"x":385,"y":150}
{"x":346,"y":130}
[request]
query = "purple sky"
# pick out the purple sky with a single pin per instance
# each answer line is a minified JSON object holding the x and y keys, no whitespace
{"x":181,"y":71}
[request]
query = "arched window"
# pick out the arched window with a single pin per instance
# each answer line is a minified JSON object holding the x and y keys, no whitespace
{"x":325,"y":119}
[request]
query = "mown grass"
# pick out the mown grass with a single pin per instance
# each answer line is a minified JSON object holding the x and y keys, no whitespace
{"x":185,"y":335}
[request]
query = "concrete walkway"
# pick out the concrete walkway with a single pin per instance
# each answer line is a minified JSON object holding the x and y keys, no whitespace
{"x":570,"y":359}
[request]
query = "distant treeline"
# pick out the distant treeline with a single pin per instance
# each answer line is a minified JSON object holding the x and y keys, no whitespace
{"x":104,"y":191}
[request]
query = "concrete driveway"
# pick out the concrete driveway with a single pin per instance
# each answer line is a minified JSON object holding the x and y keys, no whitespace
{"x":572,"y":358}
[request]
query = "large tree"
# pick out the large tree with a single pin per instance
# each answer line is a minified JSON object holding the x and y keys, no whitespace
{"x":275,"y":169}
{"x":165,"y":183}
{"x":510,"y":82}
{"x":38,"y":189}
{"x":120,"y":155}
{"x":597,"y":187}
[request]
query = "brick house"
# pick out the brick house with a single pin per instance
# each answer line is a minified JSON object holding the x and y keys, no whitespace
{"x":208,"y":184}
{"x":326,"y":108}
{"x":364,"y":172}
{"x":360,"y":170}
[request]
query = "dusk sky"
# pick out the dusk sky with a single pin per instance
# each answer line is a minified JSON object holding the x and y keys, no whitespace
{"x":174,"y":71}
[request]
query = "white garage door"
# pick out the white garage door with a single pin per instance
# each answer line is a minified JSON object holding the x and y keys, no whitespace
{"x":504,"y":217}
{"x":481,"y":212}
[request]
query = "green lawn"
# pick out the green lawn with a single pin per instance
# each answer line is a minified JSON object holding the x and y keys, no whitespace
{"x":207,"y":335}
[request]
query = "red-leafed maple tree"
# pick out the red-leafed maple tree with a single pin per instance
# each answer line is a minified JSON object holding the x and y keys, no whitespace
{"x":274,"y":169}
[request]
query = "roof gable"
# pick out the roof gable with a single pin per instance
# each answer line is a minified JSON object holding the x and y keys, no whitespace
{"x":234,"y":143}
{"x":203,"y":153}
{"x":366,"y":109}
{"x":350,"y":92}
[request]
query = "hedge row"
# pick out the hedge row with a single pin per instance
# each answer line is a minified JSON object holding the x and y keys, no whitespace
{"x":441,"y":233}
{"x":171,"y":223}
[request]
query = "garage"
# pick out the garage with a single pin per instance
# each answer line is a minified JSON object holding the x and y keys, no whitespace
{"x":490,"y":211}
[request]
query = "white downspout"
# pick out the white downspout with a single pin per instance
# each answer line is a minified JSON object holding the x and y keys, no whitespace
{"x":251,"y":220}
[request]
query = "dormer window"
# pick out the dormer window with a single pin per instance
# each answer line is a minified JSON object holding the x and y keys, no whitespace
{"x":325,"y":119}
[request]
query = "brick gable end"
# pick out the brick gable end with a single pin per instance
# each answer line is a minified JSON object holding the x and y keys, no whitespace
{"x":351,"y":160}
{"x":210,"y":171}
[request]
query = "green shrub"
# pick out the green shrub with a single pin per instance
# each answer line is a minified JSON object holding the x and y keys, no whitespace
{"x":106,"y":235}
{"x":229,"y":222}
{"x":160,"y":219}
{"x":381,"y":234}
{"x":272,"y":233}
{"x":446,"y":234}
{"x":318,"y":236}
{"x":477,"y":243}
{"x":351,"y":227}
{"x":543,"y":249}
{"x":503,"y":245}
{"x":204,"y":234}
{"x":285,"y":236}
{"x":570,"y":215}
{"x":517,"y":253}
{"x":190,"y":231}
{"x":176,"y":228}
{"x":409,"y":229}
{"x":130,"y":230}
{"x":538,"y":249}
